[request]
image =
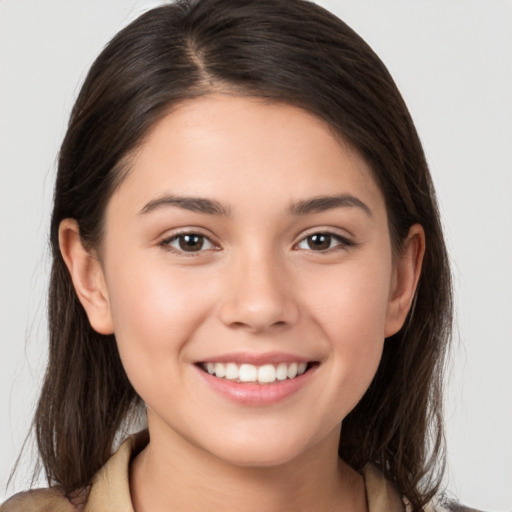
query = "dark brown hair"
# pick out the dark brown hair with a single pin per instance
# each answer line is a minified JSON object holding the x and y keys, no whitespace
{"x":285,"y":51}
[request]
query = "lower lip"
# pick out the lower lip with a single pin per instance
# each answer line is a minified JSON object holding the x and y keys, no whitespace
{"x":250,"y":393}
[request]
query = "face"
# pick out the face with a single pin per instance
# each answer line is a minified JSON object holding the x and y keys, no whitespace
{"x":249,"y":279}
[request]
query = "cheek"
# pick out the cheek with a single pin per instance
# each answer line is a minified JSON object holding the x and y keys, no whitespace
{"x":351,"y":302}
{"x":155,"y":311}
{"x":350,"y":309}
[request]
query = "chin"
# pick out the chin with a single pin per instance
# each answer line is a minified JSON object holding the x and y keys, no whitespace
{"x":265,"y":450}
{"x":256,"y":457}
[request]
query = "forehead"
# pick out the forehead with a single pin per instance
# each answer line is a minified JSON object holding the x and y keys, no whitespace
{"x":237,"y":149}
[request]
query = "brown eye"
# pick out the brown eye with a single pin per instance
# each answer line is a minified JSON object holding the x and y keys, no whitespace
{"x":191,"y":243}
{"x":188,"y":242}
{"x":319,"y":241}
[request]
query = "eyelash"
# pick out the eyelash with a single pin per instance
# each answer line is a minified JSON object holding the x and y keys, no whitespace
{"x":180,"y":237}
{"x":340,"y":242}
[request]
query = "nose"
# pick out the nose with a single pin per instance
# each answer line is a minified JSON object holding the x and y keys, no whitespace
{"x":259,"y":296}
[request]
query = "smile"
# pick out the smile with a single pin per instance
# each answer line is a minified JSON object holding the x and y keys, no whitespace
{"x":264,"y":374}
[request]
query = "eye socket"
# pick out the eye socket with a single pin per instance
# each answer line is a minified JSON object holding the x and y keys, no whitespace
{"x":321,"y":242}
{"x":196,"y":242}
{"x":188,"y":242}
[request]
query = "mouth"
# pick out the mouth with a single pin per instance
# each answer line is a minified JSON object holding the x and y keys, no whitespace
{"x":256,"y":374}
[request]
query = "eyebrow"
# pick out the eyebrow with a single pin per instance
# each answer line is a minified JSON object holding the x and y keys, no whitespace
{"x":323,"y":203}
{"x":211,"y":207}
{"x":194,"y":204}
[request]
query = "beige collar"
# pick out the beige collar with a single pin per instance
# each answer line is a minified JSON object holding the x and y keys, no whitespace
{"x":110,"y":490}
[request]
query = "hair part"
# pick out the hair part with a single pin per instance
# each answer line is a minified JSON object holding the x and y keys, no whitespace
{"x":289,"y":51}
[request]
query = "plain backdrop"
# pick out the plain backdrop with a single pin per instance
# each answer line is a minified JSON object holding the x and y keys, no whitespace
{"x":452,"y":60}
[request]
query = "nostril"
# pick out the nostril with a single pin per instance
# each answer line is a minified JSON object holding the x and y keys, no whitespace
{"x":258,"y":325}
{"x":238,"y":325}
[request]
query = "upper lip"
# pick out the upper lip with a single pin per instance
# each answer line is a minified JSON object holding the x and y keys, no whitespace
{"x":256,"y":359}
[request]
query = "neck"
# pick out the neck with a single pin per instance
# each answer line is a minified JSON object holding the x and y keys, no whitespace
{"x":171,"y":474}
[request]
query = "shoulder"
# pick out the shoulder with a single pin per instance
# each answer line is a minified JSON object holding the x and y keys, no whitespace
{"x":45,"y":500}
{"x":443,"y":504}
{"x":109,"y":489}
{"x":450,"y":506}
{"x":382,"y":496}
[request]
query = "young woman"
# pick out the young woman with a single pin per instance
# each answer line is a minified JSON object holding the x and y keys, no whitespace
{"x":247,"y":250}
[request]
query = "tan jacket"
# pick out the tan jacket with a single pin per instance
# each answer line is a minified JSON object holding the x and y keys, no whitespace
{"x":110,"y":492}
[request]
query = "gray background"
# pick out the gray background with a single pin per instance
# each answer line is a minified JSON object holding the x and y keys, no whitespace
{"x":452,"y":60}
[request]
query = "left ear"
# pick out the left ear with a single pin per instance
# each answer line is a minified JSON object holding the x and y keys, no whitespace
{"x":405,"y":279}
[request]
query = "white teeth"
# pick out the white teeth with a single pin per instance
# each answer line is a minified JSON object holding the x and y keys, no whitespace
{"x":232,"y":371}
{"x":248,"y":373}
{"x":282,"y":372}
{"x":220,"y":370}
{"x":292,"y":371}
{"x":264,"y":374}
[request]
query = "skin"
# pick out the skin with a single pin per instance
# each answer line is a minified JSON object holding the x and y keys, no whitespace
{"x":258,"y":285}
